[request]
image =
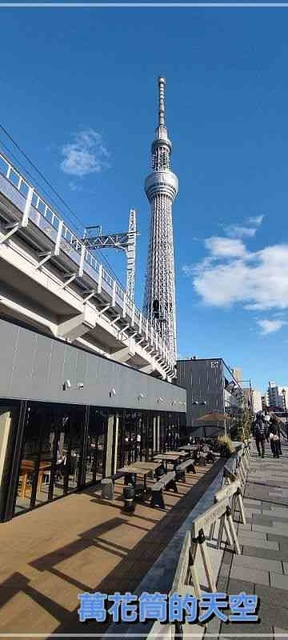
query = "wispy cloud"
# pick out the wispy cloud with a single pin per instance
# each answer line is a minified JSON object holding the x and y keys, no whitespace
{"x":221,"y":247}
{"x":257,"y":220}
{"x":238,"y":231}
{"x":270,"y":326}
{"x":247,"y":229}
{"x":86,"y":154}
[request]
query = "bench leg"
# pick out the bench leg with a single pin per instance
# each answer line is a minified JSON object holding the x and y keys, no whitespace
{"x":172,"y":485}
{"x":191,"y":468}
{"x":180,"y":476}
{"x":157,"y":499}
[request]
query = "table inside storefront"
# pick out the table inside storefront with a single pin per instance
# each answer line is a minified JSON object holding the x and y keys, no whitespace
{"x":27,"y":468}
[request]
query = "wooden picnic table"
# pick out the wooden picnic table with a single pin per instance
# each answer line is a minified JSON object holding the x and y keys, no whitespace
{"x":152,"y":466}
{"x":179,"y":452}
{"x":168,"y":457}
{"x":133,"y":470}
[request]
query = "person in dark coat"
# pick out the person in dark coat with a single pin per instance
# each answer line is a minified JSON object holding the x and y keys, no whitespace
{"x":259,"y":432}
{"x":275,"y":438}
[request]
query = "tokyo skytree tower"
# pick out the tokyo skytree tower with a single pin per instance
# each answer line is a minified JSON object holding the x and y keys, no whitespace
{"x":161,"y":188}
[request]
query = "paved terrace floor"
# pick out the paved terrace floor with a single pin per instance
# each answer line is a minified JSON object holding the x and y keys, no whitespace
{"x":78,"y":544}
{"x":262,"y":568}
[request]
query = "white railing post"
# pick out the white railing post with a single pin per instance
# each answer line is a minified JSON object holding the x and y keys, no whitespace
{"x":114,"y":294}
{"x":99,"y":287}
{"x":82,"y":258}
{"x":58,"y":239}
{"x":28,"y":203}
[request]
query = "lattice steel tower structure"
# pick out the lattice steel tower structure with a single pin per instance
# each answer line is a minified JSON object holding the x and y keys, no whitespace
{"x":161,"y":188}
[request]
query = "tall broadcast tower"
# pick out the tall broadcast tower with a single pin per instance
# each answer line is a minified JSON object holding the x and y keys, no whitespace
{"x":161,"y":188}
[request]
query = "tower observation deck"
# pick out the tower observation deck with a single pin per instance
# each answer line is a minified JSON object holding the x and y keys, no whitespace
{"x":161,"y":187}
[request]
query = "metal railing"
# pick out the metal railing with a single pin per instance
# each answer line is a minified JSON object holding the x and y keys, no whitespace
{"x":71,"y":240}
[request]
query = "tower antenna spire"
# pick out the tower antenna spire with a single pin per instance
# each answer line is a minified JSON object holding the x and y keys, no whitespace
{"x":161,"y":188}
{"x":161,"y":112}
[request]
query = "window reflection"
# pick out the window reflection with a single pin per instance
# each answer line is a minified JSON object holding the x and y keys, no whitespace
{"x":96,"y":445}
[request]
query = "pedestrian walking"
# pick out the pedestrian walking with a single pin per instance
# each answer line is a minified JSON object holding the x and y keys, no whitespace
{"x":259,"y":430}
{"x":275,"y":438}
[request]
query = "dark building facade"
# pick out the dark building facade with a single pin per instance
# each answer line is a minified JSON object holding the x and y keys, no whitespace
{"x":69,"y":417}
{"x":210,"y":386}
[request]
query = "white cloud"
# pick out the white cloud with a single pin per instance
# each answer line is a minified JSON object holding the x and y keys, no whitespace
{"x":257,"y":280}
{"x":238,"y":231}
{"x":257,"y":220}
{"x":245,"y":229}
{"x":270,"y":326}
{"x":85,"y":155}
{"x":221,"y":247}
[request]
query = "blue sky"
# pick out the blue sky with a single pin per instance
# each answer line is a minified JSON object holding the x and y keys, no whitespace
{"x":79,"y":95}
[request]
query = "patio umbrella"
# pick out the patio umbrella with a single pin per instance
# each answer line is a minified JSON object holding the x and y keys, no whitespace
{"x":214,"y":416}
{"x":273,"y":415}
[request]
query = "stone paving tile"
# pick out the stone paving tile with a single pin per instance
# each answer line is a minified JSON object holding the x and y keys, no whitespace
{"x":252,"y":535}
{"x":283,"y":541}
{"x":276,"y":512}
{"x":249,"y":511}
{"x":280,"y":632}
{"x":272,"y":595}
{"x":236,"y":585}
{"x":276,"y":528}
{"x":260,"y":545}
{"x":261,"y":564}
{"x":281,"y":582}
{"x":273,"y":615}
{"x":263,"y":552}
{"x":245,"y":628}
{"x":260,"y":519}
{"x":250,"y":575}
{"x":276,"y":518}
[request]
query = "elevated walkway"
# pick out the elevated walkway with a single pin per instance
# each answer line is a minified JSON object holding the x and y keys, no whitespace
{"x":262,"y":567}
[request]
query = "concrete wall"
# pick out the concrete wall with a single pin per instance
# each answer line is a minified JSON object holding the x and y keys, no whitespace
{"x":34,"y":366}
{"x":203,"y":381}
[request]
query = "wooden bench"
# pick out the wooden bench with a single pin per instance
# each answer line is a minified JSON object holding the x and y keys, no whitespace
{"x":166,"y":482}
{"x":183,"y":467}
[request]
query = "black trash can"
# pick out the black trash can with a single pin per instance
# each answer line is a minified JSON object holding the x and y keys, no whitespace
{"x":129,"y":498}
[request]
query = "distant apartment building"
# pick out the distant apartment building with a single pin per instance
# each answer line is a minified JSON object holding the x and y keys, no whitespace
{"x":277,"y":396}
{"x":211,"y":386}
{"x":256,"y":400}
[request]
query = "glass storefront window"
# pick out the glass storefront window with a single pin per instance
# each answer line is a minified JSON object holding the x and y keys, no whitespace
{"x":51,"y":451}
{"x":96,"y":445}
